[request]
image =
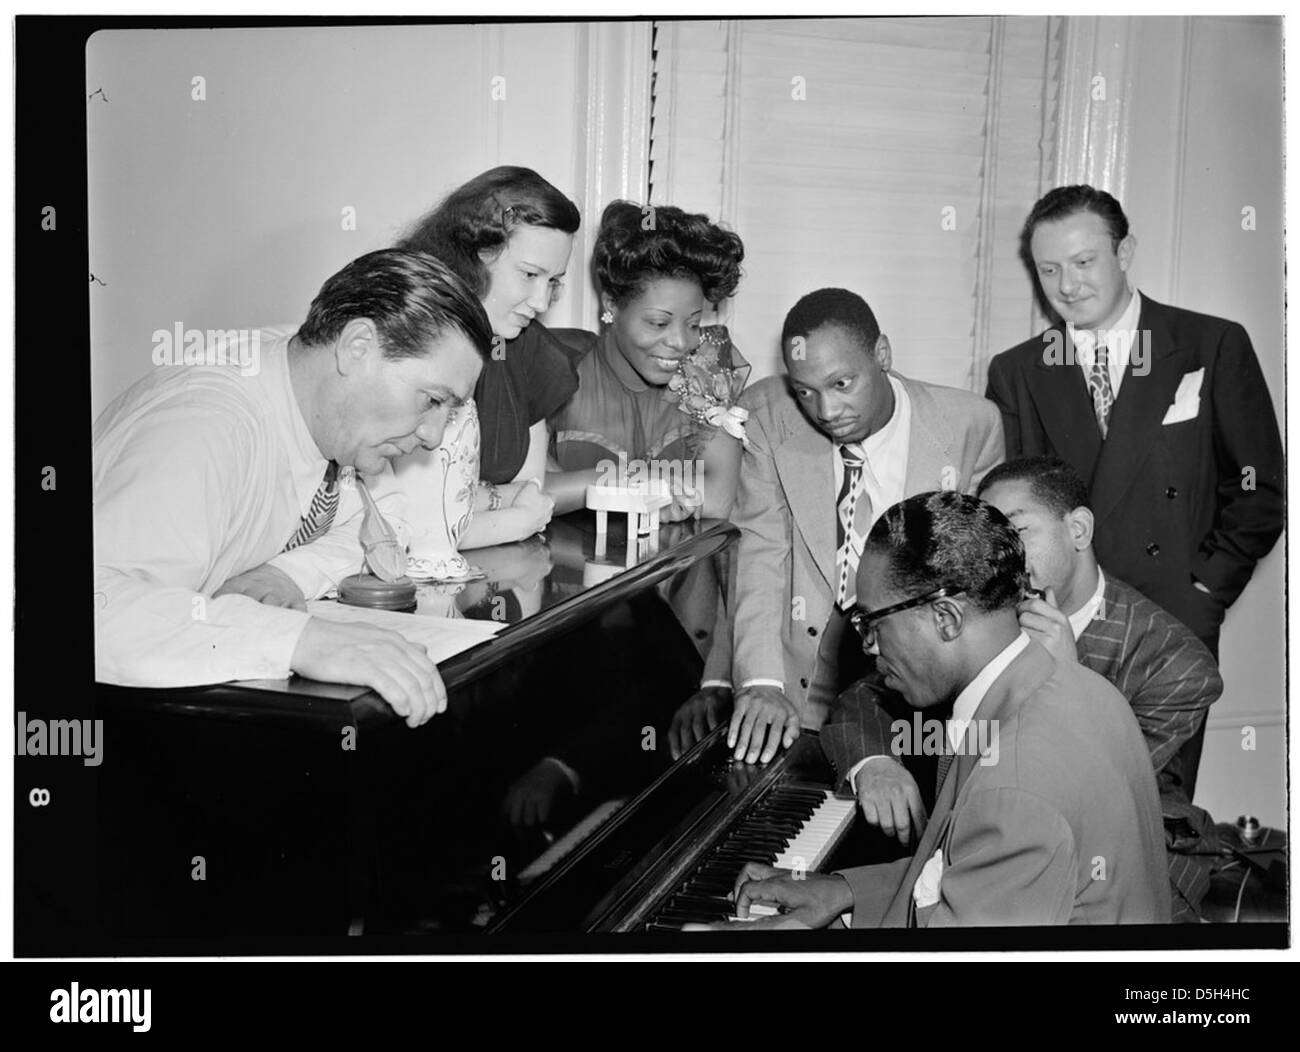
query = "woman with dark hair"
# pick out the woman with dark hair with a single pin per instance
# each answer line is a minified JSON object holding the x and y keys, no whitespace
{"x":657,"y":391}
{"x":508,"y":234}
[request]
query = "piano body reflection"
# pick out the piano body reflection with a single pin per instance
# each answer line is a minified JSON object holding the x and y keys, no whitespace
{"x":544,"y":799}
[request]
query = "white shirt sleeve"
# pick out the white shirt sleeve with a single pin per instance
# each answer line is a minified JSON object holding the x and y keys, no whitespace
{"x":853,"y":771}
{"x":167,"y":503}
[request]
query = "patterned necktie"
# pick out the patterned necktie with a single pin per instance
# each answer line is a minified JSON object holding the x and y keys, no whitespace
{"x":945,"y":761}
{"x":1103,"y":396}
{"x":852,"y":520}
{"x":320,"y":515}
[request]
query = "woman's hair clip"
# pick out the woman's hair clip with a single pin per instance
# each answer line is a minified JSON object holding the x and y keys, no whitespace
{"x":507,"y":212}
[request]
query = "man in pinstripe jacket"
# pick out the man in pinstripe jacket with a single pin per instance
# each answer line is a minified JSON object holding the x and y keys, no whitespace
{"x":1167,"y":675}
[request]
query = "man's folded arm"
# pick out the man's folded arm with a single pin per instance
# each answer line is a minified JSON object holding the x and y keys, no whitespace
{"x":164,"y":499}
{"x":147,"y":635}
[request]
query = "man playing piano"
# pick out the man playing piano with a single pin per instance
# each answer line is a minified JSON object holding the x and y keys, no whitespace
{"x":216,"y":486}
{"x":1088,"y":616}
{"x":1055,"y":818}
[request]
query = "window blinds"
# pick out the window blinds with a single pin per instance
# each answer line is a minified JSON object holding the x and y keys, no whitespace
{"x":894,"y":157}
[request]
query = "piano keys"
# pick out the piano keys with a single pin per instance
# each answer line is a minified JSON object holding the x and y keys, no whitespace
{"x":794,"y":826}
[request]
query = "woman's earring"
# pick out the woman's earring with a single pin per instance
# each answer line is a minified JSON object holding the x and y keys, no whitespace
{"x":607,"y":317}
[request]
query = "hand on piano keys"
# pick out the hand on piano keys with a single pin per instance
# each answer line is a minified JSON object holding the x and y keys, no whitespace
{"x":789,"y":896}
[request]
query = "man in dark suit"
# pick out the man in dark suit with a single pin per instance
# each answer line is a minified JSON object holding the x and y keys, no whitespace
{"x":832,"y":444}
{"x":1163,"y":412}
{"x":1054,"y":818}
{"x":1167,"y":675}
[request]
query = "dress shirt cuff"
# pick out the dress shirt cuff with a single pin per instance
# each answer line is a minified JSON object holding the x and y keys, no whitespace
{"x":283,"y":628}
{"x":759,"y":681}
{"x":725,"y":684}
{"x":852,"y":776}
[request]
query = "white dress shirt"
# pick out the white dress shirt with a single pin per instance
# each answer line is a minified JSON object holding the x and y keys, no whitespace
{"x":883,"y":480}
{"x":199,"y":474}
{"x":1090,"y":610}
{"x":1120,"y":340}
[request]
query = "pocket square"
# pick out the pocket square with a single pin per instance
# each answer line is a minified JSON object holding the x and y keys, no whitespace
{"x":1187,"y":399}
{"x":925,"y":892}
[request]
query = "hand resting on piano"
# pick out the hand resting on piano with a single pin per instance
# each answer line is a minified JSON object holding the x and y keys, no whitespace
{"x":353,"y":652}
{"x":762,"y":712}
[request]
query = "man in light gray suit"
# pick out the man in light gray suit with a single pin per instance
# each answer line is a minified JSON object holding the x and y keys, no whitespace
{"x":832,"y":445}
{"x":1047,"y":810}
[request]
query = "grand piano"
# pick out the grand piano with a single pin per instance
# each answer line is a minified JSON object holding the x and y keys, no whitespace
{"x":543,"y":801}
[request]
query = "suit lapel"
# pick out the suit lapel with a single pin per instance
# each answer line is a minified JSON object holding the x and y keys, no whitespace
{"x":1136,"y":417}
{"x":803,"y":463}
{"x":1060,"y":394}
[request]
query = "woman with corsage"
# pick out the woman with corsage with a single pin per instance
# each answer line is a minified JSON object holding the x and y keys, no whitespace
{"x":656,"y":389}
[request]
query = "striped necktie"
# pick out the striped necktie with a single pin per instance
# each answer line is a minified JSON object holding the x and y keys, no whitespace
{"x":852,"y":521}
{"x":945,"y":762}
{"x":1099,"y":386}
{"x":320,"y":515}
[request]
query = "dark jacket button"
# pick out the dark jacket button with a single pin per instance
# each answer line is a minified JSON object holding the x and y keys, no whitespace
{"x":1153,"y":549}
{"x":803,"y":683}
{"x":1171,"y":492}
{"x":812,"y":631}
{"x":701,"y":633}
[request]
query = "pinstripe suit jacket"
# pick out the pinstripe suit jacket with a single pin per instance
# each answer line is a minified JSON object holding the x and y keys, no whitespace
{"x":1165,"y":672}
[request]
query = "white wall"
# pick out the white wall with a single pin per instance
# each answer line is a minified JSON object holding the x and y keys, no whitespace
{"x":226,"y":213}
{"x":1205,"y":142}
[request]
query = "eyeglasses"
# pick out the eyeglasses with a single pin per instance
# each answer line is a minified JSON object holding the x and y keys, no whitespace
{"x":865,"y":621}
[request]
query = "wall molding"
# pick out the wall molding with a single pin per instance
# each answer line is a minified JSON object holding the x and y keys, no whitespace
{"x":1093,"y":132}
{"x":613,"y":108}
{"x":988,"y":201}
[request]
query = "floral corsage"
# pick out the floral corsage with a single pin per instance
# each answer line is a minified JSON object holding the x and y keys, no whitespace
{"x":708,"y":383}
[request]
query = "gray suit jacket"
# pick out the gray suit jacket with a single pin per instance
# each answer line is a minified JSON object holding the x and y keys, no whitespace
{"x":1064,"y":828}
{"x":1166,"y":674}
{"x":785,"y":510}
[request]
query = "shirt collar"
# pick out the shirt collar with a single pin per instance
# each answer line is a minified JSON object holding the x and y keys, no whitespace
{"x":1080,"y":619}
{"x":292,"y":424}
{"x":1126,"y":324}
{"x":875,"y":447}
{"x":968,"y":701}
